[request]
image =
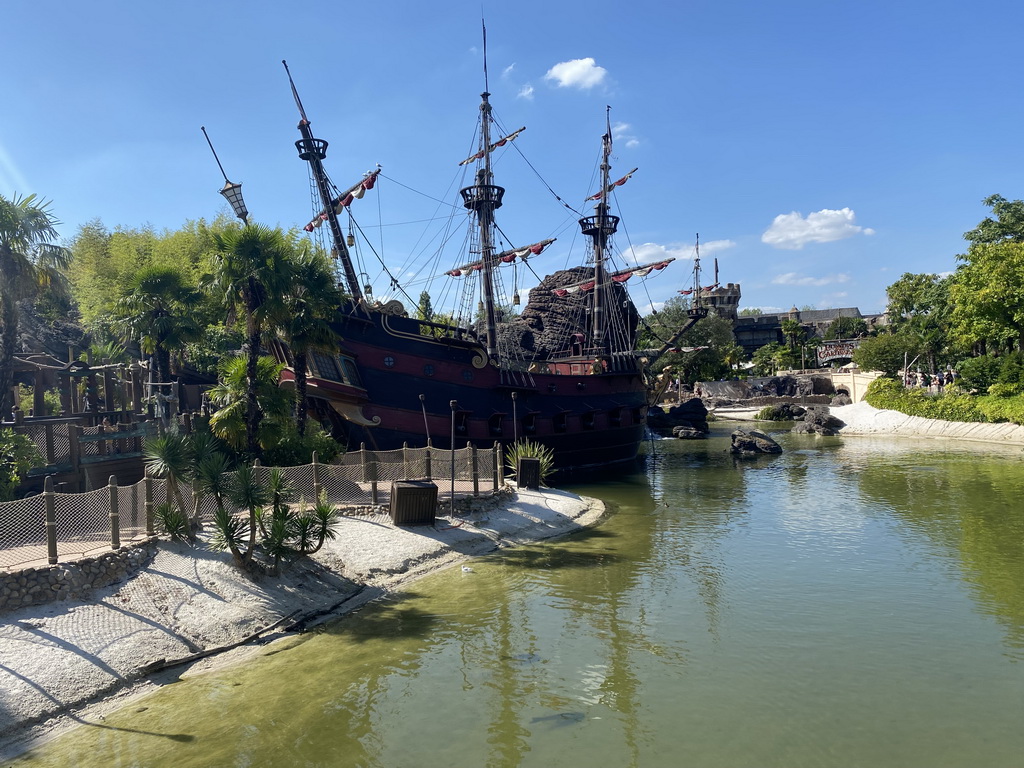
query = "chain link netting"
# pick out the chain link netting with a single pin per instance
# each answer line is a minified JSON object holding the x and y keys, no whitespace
{"x":358,"y":482}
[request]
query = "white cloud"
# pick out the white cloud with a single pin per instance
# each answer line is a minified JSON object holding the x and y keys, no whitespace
{"x":655,"y":252}
{"x":792,"y":231}
{"x":716,"y":246}
{"x":792,"y":278}
{"x":578,"y":73}
{"x":623,"y":132}
{"x":526,"y":92}
{"x":508,"y":70}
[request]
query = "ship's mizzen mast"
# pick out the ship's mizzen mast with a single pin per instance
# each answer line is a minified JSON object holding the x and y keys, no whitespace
{"x":484,"y":198}
{"x":313,"y":151}
{"x":600,"y":227}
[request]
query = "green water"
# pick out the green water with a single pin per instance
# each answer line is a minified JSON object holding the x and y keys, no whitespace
{"x":851,"y":602}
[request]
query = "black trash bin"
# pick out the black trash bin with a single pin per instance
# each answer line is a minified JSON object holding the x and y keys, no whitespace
{"x":413,"y":502}
{"x":528,"y":473}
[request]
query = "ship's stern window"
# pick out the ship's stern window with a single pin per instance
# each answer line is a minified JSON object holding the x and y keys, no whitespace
{"x":350,"y":371}
{"x":326,"y":367}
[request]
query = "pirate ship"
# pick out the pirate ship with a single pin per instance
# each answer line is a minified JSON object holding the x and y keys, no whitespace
{"x":563,"y":373}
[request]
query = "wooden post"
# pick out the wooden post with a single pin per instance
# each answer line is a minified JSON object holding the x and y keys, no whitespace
{"x":51,"y":520}
{"x":38,"y":390}
{"x":115,"y":521}
{"x":48,"y":443}
{"x":496,"y":458}
{"x":147,"y":484}
{"x":136,"y":387}
{"x":405,"y":461}
{"x":316,"y":479}
{"x":108,"y":387}
{"x":102,"y":443}
{"x":75,"y":448}
{"x":362,"y":462}
{"x":499,"y":465}
{"x":475,"y":468}
{"x":427,"y":462}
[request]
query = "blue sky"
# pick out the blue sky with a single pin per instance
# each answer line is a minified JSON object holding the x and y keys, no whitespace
{"x":820,"y":149}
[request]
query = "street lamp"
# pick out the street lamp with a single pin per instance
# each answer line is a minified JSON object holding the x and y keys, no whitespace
{"x":232,"y":192}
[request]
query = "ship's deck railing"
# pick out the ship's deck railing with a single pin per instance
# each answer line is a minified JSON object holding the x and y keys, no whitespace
{"x":51,"y":527}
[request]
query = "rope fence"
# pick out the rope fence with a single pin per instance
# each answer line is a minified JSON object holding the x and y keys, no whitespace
{"x":50,"y":526}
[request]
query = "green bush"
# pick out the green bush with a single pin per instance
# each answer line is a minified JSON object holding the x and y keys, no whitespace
{"x":773,"y":413}
{"x":1011,"y":370}
{"x":527,"y":449}
{"x":291,"y":450}
{"x":1003,"y":403}
{"x":978,"y":373}
{"x":18,"y":454}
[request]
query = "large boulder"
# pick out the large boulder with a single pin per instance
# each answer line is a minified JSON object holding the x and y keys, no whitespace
{"x":753,"y":442}
{"x":688,"y":419}
{"x":818,"y":421}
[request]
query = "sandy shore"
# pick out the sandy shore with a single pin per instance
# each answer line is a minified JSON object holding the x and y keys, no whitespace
{"x":863,"y":419}
{"x":64,"y":663}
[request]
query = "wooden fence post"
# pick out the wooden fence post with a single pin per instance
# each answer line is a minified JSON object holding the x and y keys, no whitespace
{"x":147,"y":484}
{"x":499,"y":467}
{"x":48,"y":444}
{"x":316,"y":479}
{"x":428,"y":461}
{"x":115,"y":521}
{"x":475,"y":465}
{"x":51,"y":520}
{"x":405,"y":461}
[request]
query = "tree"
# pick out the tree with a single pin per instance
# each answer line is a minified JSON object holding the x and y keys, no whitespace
{"x":987,"y":293}
{"x":308,"y":307}
{"x":771,"y":358}
{"x":251,"y":271}
{"x":712,"y":332}
{"x":230,"y":397}
{"x":793,"y":332}
{"x":1007,"y":226}
{"x":155,"y":310}
{"x":30,"y":260}
{"x":846,"y":328}
{"x":888,"y":353}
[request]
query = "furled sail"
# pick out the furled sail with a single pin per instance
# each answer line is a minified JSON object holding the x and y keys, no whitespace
{"x":355,"y":192}
{"x":499,"y":143}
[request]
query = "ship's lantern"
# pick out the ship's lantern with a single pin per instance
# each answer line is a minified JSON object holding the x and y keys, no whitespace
{"x":233,"y":194}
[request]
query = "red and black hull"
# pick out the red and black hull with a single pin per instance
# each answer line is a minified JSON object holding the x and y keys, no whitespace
{"x":394,"y":385}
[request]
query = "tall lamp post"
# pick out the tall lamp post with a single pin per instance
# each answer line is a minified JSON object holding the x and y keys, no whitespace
{"x":232,"y":192}
{"x":454,"y":406}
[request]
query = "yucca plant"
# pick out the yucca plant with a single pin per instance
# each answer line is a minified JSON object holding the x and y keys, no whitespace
{"x":174,"y":522}
{"x":527,"y":449}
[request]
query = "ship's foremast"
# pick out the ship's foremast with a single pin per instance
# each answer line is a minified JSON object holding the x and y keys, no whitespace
{"x":313,"y":151}
{"x":484,"y":198}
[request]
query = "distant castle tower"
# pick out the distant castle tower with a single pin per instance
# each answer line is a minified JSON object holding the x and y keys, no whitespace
{"x":723,"y":299}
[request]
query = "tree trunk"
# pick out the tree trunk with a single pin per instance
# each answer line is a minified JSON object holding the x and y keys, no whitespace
{"x":252,"y":413}
{"x":300,"y":392}
{"x":8,"y":344}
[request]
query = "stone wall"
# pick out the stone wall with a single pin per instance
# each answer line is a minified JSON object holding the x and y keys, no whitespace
{"x":35,"y":586}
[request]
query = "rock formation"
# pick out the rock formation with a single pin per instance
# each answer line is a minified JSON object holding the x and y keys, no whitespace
{"x":753,"y":442}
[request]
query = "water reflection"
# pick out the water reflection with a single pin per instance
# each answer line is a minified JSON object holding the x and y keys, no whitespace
{"x":768,"y":611}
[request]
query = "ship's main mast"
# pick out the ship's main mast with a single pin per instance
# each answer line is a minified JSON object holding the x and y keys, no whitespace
{"x":600,"y":228}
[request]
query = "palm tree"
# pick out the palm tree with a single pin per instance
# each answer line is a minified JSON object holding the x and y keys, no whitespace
{"x":252,"y":270}
{"x":308,"y":307}
{"x":156,"y":310}
{"x":230,"y":398}
{"x":29,"y":261}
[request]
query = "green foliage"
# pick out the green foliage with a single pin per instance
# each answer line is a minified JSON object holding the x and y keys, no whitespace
{"x":51,"y":400}
{"x":18,"y":454}
{"x":1011,"y":369}
{"x":978,"y":373}
{"x":773,"y":413}
{"x":887,"y":353}
{"x":215,"y":343}
{"x":712,"y":332}
{"x":1008,"y":224}
{"x":952,"y":405}
{"x":773,"y":357}
{"x":846,"y":328}
{"x":528,"y":449}
{"x":987,"y":292}
{"x":1005,"y":390}
{"x":174,"y":522}
{"x":229,"y":397}
{"x":290,"y":449}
